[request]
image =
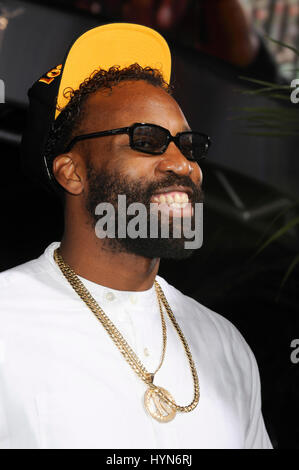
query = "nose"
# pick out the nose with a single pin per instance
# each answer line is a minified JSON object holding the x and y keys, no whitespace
{"x":173,"y":161}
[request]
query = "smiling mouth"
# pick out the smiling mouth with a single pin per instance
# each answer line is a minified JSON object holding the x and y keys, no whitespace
{"x":174,"y":199}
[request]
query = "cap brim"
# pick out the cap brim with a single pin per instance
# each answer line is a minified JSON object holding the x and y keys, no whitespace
{"x":119,"y":44}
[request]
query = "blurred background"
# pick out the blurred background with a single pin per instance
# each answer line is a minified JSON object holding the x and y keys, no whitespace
{"x":248,"y":267}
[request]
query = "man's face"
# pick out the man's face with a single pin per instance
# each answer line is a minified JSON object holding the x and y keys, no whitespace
{"x":113,"y":168}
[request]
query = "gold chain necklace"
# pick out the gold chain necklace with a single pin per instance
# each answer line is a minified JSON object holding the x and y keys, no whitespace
{"x":158,"y":402}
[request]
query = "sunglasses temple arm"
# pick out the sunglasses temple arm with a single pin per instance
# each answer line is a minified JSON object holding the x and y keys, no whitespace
{"x":121,"y":130}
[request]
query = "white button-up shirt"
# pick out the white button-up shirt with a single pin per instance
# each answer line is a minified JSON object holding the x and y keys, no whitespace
{"x":64,"y":383}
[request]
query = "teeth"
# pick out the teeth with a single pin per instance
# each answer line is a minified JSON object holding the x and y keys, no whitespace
{"x":177,"y":198}
{"x":179,"y":205}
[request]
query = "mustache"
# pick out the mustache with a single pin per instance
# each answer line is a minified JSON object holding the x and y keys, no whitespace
{"x":106,"y":186}
{"x":175,"y":180}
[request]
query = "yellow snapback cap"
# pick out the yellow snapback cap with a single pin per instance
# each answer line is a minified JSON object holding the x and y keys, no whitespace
{"x":112,"y":44}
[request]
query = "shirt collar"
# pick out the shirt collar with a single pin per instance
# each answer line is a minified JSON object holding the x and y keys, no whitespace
{"x":103,"y":293}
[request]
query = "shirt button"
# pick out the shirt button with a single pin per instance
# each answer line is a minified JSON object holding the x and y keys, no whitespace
{"x":146,"y":352}
{"x":110,"y":296}
{"x":133,"y":299}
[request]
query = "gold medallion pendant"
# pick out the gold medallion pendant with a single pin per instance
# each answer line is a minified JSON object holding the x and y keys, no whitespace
{"x":157,"y":407}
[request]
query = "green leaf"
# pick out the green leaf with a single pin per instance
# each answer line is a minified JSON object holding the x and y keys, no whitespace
{"x":289,"y":270}
{"x":279,"y":233}
{"x":287,"y":275}
{"x":280,"y":97}
{"x":283,"y":212}
{"x":267,"y":90}
{"x":283,"y":44}
{"x":261,"y":82}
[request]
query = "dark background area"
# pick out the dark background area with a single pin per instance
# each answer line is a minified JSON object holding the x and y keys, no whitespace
{"x":250,"y":183}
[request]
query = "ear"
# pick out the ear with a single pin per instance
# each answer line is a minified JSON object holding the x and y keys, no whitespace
{"x":68,"y":174}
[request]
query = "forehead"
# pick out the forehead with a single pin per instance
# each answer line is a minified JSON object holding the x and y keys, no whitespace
{"x":130,"y":102}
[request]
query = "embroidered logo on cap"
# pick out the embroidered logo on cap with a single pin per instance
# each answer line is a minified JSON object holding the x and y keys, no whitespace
{"x":49,"y":76}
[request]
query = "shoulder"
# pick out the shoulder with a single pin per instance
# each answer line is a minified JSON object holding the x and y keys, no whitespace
{"x":27,"y":275}
{"x":29,"y":287}
{"x":187,"y":307}
{"x":209,"y":330}
{"x":223,"y":357}
{"x":17,"y":276}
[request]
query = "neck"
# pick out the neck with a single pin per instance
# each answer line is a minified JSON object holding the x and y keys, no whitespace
{"x":90,"y":259}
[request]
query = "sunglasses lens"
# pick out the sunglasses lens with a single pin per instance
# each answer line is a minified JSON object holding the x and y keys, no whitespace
{"x":149,"y":139}
{"x":194,"y":145}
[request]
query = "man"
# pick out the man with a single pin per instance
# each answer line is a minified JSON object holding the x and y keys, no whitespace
{"x":97,"y":350}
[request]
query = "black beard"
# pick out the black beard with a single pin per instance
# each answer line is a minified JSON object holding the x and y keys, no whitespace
{"x":106,"y":186}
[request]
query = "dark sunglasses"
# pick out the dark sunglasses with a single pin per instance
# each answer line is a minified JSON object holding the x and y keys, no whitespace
{"x":154,"y":140}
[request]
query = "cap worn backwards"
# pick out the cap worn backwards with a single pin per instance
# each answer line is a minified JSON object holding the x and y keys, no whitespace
{"x":121,"y":44}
